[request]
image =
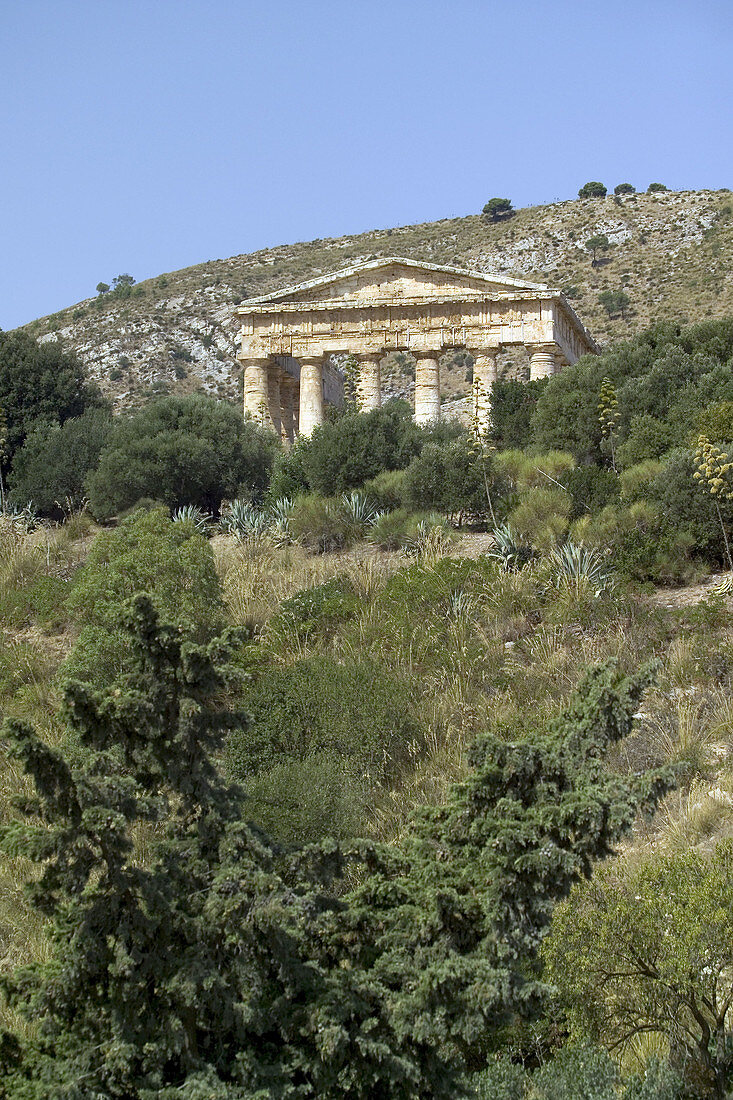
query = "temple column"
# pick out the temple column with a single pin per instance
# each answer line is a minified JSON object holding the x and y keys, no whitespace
{"x":427,"y":387}
{"x":311,"y":394}
{"x":273,"y":397}
{"x":541,"y":361}
{"x":287,"y":408}
{"x":257,"y":391}
{"x":484,"y":376}
{"x":369,"y":386}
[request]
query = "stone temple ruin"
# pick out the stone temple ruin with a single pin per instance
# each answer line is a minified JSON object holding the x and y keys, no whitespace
{"x":374,"y":308}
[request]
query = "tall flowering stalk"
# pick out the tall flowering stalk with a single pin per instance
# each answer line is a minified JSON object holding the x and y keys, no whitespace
{"x":714,"y":473}
{"x":608,"y":415}
{"x":481,"y":443}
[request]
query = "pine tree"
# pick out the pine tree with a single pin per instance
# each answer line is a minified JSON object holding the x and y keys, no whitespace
{"x":178,"y":970}
{"x":439,"y":943}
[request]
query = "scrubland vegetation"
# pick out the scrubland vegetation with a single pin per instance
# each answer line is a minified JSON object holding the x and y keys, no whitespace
{"x":395,"y":765}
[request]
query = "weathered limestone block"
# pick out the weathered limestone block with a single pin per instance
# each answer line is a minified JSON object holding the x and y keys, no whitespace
{"x":257,"y":391}
{"x":541,"y":361}
{"x":311,"y":394}
{"x":368,"y":386}
{"x":484,"y":376}
{"x":427,"y":388}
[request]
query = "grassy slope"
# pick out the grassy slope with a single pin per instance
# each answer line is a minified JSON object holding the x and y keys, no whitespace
{"x":672,"y":251}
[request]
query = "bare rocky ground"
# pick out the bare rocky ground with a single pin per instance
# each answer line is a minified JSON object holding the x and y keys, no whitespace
{"x":672,"y":252}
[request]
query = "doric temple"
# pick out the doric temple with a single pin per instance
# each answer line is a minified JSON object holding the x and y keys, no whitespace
{"x":374,"y":308}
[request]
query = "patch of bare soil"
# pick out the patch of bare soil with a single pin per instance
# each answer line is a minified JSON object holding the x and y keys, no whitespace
{"x":690,"y":594}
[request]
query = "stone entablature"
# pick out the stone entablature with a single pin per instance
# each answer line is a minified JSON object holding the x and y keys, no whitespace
{"x":380,"y":306}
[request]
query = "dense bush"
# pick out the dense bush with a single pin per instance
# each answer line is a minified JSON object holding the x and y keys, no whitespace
{"x":669,"y":373}
{"x":450,"y":477}
{"x":512,"y":406}
{"x":181,"y":450}
{"x":148,"y":553}
{"x":387,"y":490}
{"x":576,"y":1072}
{"x":322,"y":523}
{"x":357,"y":712}
{"x":591,"y":487}
{"x":314,"y":612}
{"x":39,"y":382}
{"x":344,"y":453}
{"x":52,"y":466}
{"x":288,"y":477}
{"x":640,"y":542}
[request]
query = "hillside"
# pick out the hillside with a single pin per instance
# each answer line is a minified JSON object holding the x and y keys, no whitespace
{"x":671,"y":251}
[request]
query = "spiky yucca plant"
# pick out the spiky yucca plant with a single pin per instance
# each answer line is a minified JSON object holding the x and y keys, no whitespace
{"x":191,"y":513}
{"x":508,"y":549}
{"x":242,"y":520}
{"x":573,"y":566}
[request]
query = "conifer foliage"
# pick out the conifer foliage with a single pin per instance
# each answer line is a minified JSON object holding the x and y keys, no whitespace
{"x":221,"y":968}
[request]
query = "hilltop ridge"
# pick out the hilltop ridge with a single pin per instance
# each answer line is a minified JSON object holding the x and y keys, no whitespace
{"x":671,"y":252}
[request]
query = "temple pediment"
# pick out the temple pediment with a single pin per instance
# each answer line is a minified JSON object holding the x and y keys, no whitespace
{"x":399,"y":279}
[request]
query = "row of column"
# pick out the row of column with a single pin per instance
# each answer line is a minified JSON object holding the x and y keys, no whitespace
{"x":273,"y":397}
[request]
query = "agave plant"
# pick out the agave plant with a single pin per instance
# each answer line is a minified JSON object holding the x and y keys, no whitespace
{"x":360,"y":510}
{"x":574,"y":566}
{"x":244,"y":521}
{"x":191,"y":513}
{"x":507,"y":549}
{"x":279,"y":514}
{"x":24,"y":519}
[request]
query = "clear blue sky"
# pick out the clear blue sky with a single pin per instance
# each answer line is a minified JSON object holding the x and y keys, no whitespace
{"x":146,"y":136}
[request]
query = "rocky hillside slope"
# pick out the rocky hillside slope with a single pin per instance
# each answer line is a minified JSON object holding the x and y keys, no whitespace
{"x":672,"y":253}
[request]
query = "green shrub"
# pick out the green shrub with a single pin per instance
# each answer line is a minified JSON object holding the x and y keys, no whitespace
{"x":315,"y":612}
{"x":288,"y":477}
{"x":642,"y":545}
{"x":302,"y":801}
{"x":181,"y":450}
{"x":39,"y":382}
{"x":357,"y":712}
{"x":387,"y":490}
{"x":512,"y":405}
{"x":344,"y":454}
{"x":716,"y":422}
{"x":449,"y":477}
{"x":394,"y":530}
{"x":591,"y":487}
{"x":52,"y":466}
{"x":322,"y":524}
{"x":647,"y":437}
{"x":540,"y":519}
{"x":148,"y":552}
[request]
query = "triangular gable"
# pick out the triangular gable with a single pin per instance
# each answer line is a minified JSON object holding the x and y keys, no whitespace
{"x":394,"y":277}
